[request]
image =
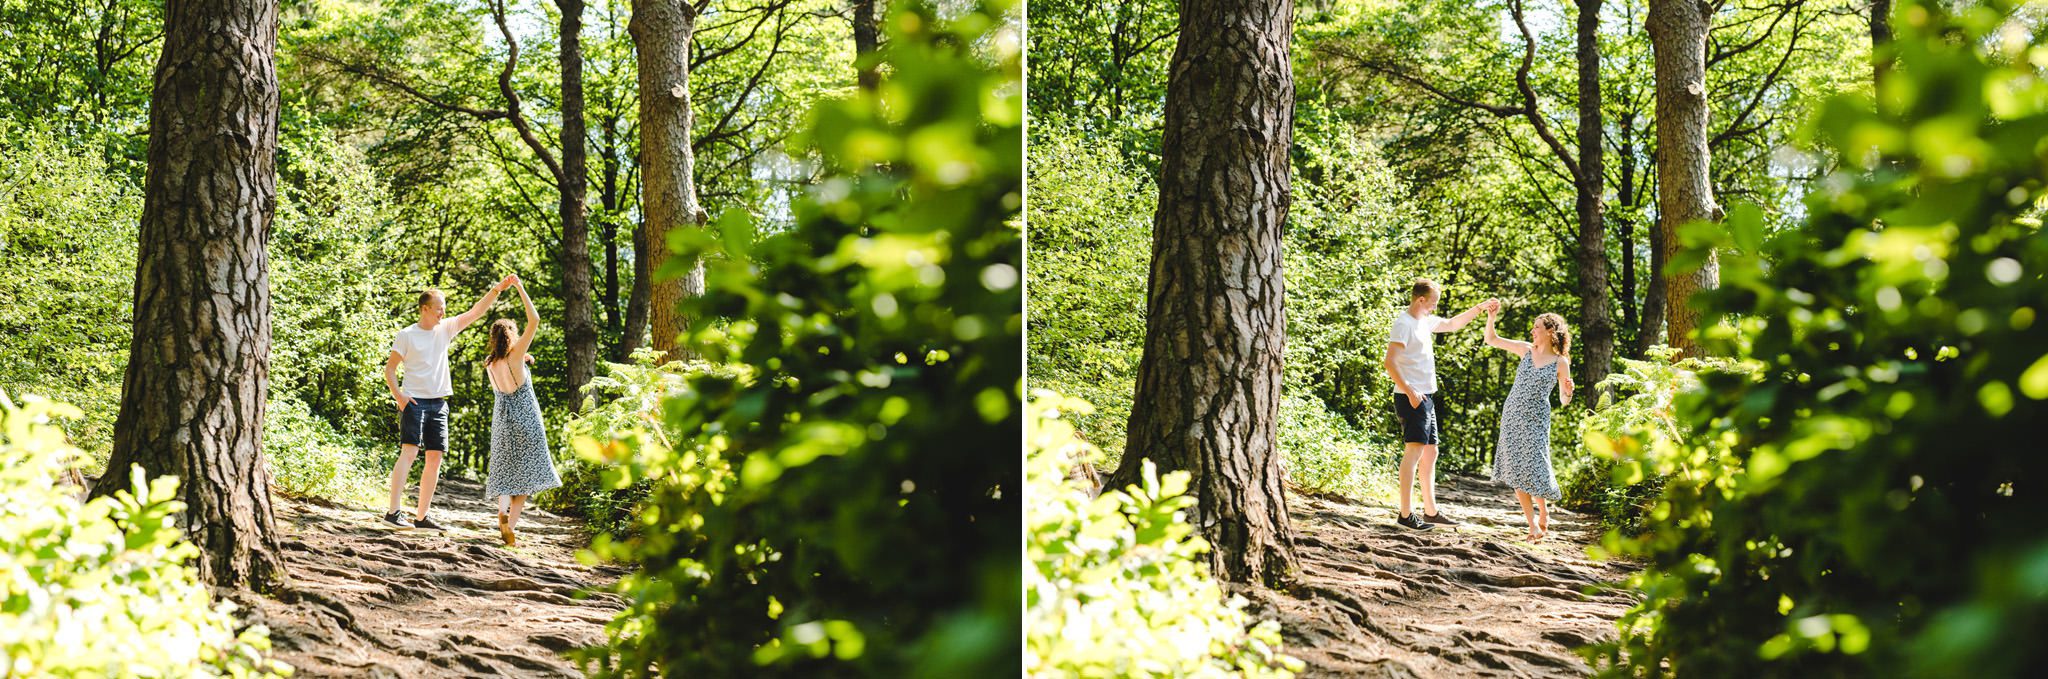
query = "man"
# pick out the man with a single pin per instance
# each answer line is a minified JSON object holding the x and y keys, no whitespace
{"x":423,"y":399}
{"x":1411,"y":362}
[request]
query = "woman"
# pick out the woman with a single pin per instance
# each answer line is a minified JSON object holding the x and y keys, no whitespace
{"x":1522,"y":457}
{"x":520,"y":462}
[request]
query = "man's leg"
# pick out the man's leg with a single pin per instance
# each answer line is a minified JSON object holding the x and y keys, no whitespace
{"x":406,"y":453}
{"x":428,"y":476}
{"x":1427,"y":472}
{"x":1411,"y":453}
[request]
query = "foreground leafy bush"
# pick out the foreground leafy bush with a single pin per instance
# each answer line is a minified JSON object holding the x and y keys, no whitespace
{"x":1634,"y":441}
{"x":100,"y":589}
{"x":1118,"y":586}
{"x":1881,"y":512}
{"x":848,"y":503}
{"x":625,"y":415}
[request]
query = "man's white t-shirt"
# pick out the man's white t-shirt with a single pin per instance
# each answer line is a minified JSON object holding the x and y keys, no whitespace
{"x":1416,"y":355}
{"x":425,"y":354}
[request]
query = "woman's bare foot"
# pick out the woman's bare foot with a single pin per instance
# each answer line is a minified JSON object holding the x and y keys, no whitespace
{"x":1543,"y":520}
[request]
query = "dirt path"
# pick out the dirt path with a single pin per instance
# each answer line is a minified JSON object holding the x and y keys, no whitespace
{"x":1379,"y":600}
{"x":377,"y":602}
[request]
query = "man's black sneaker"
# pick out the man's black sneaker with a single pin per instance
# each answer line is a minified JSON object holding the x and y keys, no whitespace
{"x":1439,"y":519}
{"x":427,"y":523}
{"x":1413,"y":521}
{"x":396,"y":519}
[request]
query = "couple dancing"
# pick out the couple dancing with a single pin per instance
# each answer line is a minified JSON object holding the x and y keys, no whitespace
{"x":520,"y":464}
{"x":1521,"y":457}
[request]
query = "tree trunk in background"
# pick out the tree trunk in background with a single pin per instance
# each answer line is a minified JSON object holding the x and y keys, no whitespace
{"x":1880,"y":37}
{"x":636,"y":303}
{"x":867,"y":37}
{"x":1598,"y":331}
{"x":608,"y":196}
{"x":192,"y":401}
{"x":662,"y":31}
{"x":580,"y":335}
{"x":1685,"y":192}
{"x":1208,"y":390}
{"x":1651,"y":332}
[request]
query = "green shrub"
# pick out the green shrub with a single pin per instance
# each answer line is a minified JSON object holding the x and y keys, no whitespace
{"x":1608,"y":476}
{"x":1118,"y":586}
{"x":1324,"y":453}
{"x":1091,"y":239}
{"x":100,"y":589}
{"x":847,"y":504}
{"x":625,"y":414}
{"x":309,"y":459}
{"x":1880,"y":511}
{"x":67,"y":270}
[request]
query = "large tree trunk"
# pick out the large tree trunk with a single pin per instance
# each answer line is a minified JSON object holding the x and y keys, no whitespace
{"x":580,"y":335}
{"x":1598,"y":329}
{"x":866,"y":39}
{"x":1685,"y":192}
{"x":192,"y":402}
{"x":662,"y":31}
{"x":1208,"y":391}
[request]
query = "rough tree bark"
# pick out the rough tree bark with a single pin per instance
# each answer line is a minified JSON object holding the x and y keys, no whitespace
{"x":1685,"y":192}
{"x":1208,"y":389}
{"x":1597,"y":323}
{"x":662,"y":31}
{"x":192,"y":401}
{"x":572,"y":181}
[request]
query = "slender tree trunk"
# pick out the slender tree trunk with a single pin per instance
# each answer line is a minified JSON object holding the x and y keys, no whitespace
{"x":662,"y":31}
{"x":867,"y":37}
{"x":1208,"y":391}
{"x":1598,"y":330}
{"x":192,"y":401}
{"x":1685,"y":192}
{"x":1880,"y":38}
{"x":1652,"y":329}
{"x":635,"y":333}
{"x":1625,"y":233}
{"x":608,"y":195}
{"x":580,"y":335}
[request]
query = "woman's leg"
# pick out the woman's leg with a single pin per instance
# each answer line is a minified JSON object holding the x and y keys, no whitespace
{"x":518,"y":503}
{"x":1527,"y":515}
{"x":1542,"y":515}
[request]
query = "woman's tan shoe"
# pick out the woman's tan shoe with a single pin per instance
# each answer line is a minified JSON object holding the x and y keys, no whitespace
{"x":505,"y":529}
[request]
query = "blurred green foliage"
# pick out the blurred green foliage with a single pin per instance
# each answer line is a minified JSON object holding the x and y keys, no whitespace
{"x":847,"y":504}
{"x":1118,"y":585}
{"x":1876,"y":513}
{"x":100,"y":588}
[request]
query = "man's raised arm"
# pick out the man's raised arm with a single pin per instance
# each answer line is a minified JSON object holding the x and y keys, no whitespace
{"x":1461,"y":320}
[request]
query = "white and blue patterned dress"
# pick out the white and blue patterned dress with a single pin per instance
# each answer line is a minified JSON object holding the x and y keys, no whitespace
{"x":1521,"y":457}
{"x":520,"y":461}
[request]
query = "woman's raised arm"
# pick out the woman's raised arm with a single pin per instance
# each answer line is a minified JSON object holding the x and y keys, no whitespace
{"x":1496,"y":341}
